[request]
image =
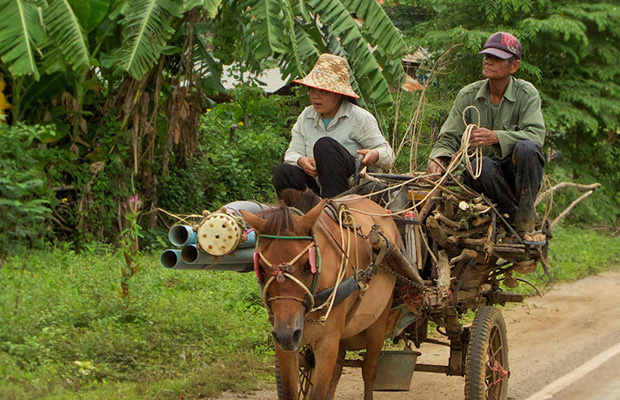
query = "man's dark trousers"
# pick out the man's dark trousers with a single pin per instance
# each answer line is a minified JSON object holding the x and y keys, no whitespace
{"x":513,"y":183}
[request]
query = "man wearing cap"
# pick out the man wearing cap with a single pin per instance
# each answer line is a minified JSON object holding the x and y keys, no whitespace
{"x":511,"y":133}
{"x":329,"y":134}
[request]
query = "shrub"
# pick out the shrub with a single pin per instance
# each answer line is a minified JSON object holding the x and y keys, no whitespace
{"x":24,"y":201}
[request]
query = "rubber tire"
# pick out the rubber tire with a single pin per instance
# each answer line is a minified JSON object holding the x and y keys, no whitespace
{"x":279,"y":386}
{"x":279,"y":381}
{"x":487,"y":332}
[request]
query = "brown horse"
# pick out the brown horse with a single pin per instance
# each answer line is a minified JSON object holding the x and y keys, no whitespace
{"x":296,"y":281}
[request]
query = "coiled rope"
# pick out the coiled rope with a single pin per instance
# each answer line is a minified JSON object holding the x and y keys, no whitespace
{"x":465,"y":153}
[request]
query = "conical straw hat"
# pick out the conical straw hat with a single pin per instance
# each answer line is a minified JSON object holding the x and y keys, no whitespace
{"x":330,"y":73}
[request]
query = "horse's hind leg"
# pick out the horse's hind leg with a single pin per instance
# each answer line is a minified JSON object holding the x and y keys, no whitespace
{"x":375,"y":336}
{"x":337,"y":372}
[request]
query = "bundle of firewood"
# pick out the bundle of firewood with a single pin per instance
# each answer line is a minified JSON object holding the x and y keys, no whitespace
{"x":460,"y":220}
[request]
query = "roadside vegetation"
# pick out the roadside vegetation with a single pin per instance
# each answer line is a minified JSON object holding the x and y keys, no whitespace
{"x":67,"y":332}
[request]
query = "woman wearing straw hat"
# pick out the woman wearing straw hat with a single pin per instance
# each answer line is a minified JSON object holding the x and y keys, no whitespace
{"x":329,"y":134}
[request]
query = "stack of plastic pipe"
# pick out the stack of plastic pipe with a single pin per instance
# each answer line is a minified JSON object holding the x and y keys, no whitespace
{"x":188,"y":255}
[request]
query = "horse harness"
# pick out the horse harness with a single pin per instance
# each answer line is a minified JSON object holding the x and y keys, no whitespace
{"x":313,"y":301}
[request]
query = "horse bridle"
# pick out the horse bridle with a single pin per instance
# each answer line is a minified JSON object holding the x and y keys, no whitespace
{"x":279,"y":272}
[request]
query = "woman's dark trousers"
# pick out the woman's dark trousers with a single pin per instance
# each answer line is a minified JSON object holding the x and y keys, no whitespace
{"x":334,"y":166}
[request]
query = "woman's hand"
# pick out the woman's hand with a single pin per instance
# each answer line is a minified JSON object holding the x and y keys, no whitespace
{"x":308,"y":165}
{"x":370,"y":156}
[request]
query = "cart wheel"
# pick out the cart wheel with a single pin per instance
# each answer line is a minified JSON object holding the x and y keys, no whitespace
{"x":306,"y":368}
{"x":487,"y":357}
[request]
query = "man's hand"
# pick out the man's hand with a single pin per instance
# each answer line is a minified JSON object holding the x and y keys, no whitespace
{"x":308,"y":165}
{"x":435,"y":168}
{"x":370,"y":156}
{"x":483,"y":137}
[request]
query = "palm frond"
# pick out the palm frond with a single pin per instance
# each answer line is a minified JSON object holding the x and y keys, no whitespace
{"x":64,"y":26}
{"x":20,"y":32}
{"x":207,"y":67}
{"x":379,"y":26}
{"x":339,"y":22}
{"x":147,"y":32}
{"x":278,"y":33}
{"x":210,"y":6}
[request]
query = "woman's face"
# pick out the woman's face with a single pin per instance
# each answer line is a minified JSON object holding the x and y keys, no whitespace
{"x":324,"y":102}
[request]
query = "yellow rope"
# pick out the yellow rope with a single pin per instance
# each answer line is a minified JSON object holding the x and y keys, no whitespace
{"x":179,"y":217}
{"x":465,"y":151}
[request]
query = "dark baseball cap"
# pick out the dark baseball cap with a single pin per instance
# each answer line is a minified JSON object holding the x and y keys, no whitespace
{"x":503,"y":45}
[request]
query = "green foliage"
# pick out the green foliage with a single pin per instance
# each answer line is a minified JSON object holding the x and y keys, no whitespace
{"x":570,"y":54}
{"x":23,"y":199}
{"x":295,"y":33}
{"x":126,"y":81}
{"x":64,"y":25}
{"x":184,"y":332}
{"x":238,"y":160}
{"x":20,"y":35}
{"x":574,"y":254}
{"x":130,"y":246}
{"x":147,"y":31}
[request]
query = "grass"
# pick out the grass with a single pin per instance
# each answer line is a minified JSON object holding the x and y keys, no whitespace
{"x":574,"y":253}
{"x":186,"y":334}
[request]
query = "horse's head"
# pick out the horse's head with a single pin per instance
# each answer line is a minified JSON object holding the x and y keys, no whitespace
{"x":285,"y":265}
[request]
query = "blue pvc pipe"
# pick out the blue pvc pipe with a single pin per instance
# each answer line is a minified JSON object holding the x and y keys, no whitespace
{"x":251,"y":242}
{"x":241,"y":260}
{"x":171,"y":259}
{"x":182,"y":235}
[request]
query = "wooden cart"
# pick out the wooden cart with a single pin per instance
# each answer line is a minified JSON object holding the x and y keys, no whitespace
{"x":463,"y":248}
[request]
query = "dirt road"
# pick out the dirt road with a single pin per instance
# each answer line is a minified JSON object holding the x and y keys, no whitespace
{"x":548,"y":337}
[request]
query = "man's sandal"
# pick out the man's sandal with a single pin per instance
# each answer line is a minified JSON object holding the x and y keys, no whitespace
{"x":536,"y":238}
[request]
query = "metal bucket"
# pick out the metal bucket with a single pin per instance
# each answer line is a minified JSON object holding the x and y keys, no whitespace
{"x":394,"y":370}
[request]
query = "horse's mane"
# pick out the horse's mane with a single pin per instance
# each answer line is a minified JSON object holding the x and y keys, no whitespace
{"x":303,"y":201}
{"x":280,"y":219}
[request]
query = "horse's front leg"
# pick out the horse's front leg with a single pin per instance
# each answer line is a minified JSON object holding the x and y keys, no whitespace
{"x":288,"y":362}
{"x":325,"y":356}
{"x":337,"y":371}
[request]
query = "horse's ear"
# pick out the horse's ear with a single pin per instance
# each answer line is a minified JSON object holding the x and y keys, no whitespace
{"x":255,"y":222}
{"x":308,"y":220}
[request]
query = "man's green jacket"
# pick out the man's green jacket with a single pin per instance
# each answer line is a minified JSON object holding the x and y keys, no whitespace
{"x":517,"y":117}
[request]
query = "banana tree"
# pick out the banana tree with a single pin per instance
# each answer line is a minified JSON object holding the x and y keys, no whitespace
{"x":43,"y":37}
{"x":150,"y":63}
{"x":295,"y":32}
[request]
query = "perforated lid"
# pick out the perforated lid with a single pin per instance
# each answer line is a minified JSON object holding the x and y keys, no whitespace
{"x":218,"y":234}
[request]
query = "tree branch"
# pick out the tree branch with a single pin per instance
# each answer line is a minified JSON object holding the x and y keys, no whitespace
{"x":563,"y":185}
{"x":569,"y":208}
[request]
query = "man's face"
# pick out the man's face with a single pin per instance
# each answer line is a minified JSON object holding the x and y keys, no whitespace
{"x":496,"y":68}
